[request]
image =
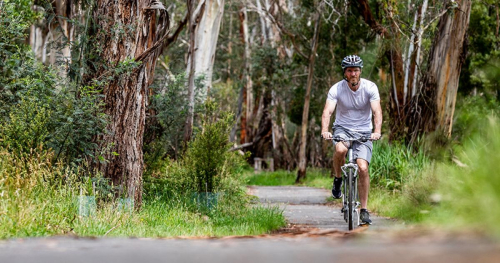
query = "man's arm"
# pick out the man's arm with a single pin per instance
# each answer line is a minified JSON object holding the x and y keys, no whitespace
{"x":377,"y":119}
{"x":325,"y":118}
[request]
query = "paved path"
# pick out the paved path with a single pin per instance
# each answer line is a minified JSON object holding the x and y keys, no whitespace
{"x":308,"y":207}
{"x":276,"y":250}
{"x":323,"y":240}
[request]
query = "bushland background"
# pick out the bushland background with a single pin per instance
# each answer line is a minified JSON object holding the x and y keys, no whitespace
{"x":156,"y":110}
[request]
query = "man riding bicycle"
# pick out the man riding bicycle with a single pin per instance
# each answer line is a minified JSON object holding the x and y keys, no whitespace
{"x":356,"y":99}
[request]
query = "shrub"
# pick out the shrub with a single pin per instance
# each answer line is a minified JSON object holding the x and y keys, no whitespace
{"x":27,"y":128}
{"x":208,"y":151}
{"x":207,"y":165}
{"x":36,"y":107}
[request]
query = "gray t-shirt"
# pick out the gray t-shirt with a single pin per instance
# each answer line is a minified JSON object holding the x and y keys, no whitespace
{"x":354,"y":110}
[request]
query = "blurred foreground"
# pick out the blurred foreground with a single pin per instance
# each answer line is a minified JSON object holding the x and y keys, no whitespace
{"x":357,"y":247}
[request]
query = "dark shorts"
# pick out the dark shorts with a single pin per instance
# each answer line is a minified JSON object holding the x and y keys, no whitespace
{"x":360,"y":150}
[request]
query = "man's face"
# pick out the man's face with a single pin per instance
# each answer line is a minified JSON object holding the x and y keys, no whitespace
{"x":353,"y":76}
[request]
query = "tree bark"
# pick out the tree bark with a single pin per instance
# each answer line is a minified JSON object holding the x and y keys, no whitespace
{"x":125,"y":95}
{"x":301,"y":173}
{"x":434,"y":110}
{"x":204,"y":31}
{"x":248,"y":92}
{"x":418,"y":39}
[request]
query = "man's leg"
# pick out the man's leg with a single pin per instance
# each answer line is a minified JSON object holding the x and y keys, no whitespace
{"x":363,"y":182}
{"x":339,"y":158}
{"x":338,"y":161}
{"x":364,"y":188}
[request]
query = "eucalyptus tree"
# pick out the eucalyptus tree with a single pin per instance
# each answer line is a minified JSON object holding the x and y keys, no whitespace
{"x":410,"y":113}
{"x":434,"y":109}
{"x":126,"y":39}
{"x":205,"y":17}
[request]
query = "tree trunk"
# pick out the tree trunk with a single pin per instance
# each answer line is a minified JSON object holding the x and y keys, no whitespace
{"x":145,"y":25}
{"x":418,"y":39}
{"x":283,"y":153}
{"x":437,"y":105}
{"x":204,"y":30}
{"x":248,"y":92}
{"x":61,"y":32}
{"x":193,"y":16}
{"x":301,"y":173}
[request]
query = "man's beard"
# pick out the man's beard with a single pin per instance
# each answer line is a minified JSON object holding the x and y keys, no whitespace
{"x":354,"y":81}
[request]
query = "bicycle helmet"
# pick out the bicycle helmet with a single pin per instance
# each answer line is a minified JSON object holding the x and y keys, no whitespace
{"x":352,"y":61}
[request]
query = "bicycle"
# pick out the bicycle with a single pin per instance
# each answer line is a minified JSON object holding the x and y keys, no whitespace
{"x":350,"y":195}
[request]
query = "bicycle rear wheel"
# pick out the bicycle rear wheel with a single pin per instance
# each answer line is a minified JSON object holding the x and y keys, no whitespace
{"x":350,"y":199}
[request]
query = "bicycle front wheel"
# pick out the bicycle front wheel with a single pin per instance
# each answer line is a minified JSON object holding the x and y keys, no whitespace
{"x":351,"y":198}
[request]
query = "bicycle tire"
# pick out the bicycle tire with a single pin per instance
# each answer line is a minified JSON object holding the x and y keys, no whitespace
{"x":350,"y":199}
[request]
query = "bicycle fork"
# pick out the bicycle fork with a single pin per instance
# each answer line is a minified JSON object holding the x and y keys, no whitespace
{"x":350,"y":169}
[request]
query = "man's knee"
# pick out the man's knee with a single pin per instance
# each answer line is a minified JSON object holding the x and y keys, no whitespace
{"x":340,"y":149}
{"x":362,"y":166}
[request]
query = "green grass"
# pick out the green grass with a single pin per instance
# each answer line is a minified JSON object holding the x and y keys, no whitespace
{"x":163,"y":220}
{"x":39,"y":199}
{"x":315,"y":178}
{"x":59,"y":216}
{"x":469,"y":187}
{"x":461,"y":194}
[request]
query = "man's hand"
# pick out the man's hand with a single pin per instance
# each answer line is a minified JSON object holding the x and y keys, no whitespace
{"x":326,"y":135}
{"x":375,"y":136}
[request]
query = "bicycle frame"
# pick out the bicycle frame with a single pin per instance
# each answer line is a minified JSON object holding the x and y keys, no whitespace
{"x":350,"y":197}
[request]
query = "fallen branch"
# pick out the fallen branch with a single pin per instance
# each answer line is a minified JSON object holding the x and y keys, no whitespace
{"x":245,"y":145}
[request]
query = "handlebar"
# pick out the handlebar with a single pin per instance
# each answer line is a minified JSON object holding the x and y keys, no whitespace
{"x":361,"y":139}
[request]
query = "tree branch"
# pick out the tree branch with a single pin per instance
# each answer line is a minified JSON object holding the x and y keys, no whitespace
{"x":179,"y":29}
{"x":364,"y":9}
{"x":280,"y":26}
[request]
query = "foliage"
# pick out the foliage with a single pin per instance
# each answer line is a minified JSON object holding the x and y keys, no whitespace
{"x":470,"y":113}
{"x":37,"y":107}
{"x":481,"y":68}
{"x":79,"y":120}
{"x":206,"y":166}
{"x":18,"y":70}
{"x":392,"y":164}
{"x":166,"y":127}
{"x":39,"y":198}
{"x":207,"y":154}
{"x":165,"y":130}
{"x":27,"y":128}
{"x":469,"y":186}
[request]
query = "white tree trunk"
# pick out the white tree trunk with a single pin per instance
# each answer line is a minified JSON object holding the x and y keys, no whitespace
{"x":408,"y":56}
{"x":248,"y":68}
{"x":62,"y":34}
{"x":419,"y":45}
{"x":263,"y":26}
{"x":206,"y":33}
{"x":204,"y":28}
